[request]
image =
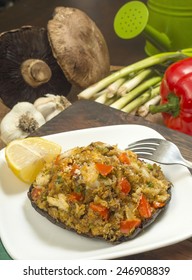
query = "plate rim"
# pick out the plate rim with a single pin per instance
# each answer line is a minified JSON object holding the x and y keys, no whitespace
{"x":103,"y":255}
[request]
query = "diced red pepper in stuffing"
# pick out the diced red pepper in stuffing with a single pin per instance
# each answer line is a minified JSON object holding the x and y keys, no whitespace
{"x":74,"y":168}
{"x":104,"y":169}
{"x":102,"y":210}
{"x":124,"y":158}
{"x":125,"y":185}
{"x":57,"y":159}
{"x":75,"y":196}
{"x":157,"y":204}
{"x":144,"y":207}
{"x":127,"y":225}
{"x":35,"y":193}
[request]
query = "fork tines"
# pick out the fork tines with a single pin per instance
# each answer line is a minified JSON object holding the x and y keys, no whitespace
{"x":146,"y":146}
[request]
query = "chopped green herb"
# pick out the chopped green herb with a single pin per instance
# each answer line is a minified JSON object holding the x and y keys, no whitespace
{"x":150,"y":184}
{"x":59,"y":180}
{"x":150,"y":166}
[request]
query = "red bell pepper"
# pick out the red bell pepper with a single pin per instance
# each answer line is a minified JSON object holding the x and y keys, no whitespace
{"x":35,"y":193}
{"x":176,"y":96}
{"x":123,"y":157}
{"x":102,"y":210}
{"x":104,"y":169}
{"x":127,"y":225}
{"x":144,"y":207}
{"x":75,"y":197}
{"x":124,"y":185}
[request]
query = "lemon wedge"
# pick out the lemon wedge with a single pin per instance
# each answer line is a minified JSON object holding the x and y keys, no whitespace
{"x":26,"y":157}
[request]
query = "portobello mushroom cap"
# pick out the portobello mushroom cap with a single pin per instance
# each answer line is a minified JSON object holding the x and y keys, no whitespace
{"x":28,"y":68}
{"x":78,"y":46}
{"x":145,"y":223}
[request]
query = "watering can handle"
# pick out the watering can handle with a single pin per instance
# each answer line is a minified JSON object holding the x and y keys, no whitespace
{"x":158,"y":39}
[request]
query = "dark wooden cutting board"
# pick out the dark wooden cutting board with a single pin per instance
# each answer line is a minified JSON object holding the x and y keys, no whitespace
{"x":85,"y":114}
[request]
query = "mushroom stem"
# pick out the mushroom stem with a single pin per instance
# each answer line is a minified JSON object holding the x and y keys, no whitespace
{"x":35,"y":72}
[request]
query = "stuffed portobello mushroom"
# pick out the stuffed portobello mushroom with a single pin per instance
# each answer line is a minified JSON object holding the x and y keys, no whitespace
{"x":101,"y":191}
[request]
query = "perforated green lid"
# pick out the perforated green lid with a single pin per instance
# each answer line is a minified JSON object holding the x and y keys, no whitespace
{"x":131,"y":19}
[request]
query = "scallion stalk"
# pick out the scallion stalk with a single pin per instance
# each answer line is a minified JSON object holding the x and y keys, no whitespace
{"x":98,"y":94}
{"x":113,"y":88}
{"x":102,"y":98}
{"x":143,"y":110}
{"x":133,"y":82}
{"x":124,"y":100}
{"x":141,"y":99}
{"x":137,"y":66}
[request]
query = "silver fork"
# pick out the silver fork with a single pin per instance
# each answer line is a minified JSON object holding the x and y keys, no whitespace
{"x":159,"y":150}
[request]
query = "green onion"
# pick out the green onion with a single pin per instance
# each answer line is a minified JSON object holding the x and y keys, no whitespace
{"x":102,"y":98}
{"x":135,"y":87}
{"x":135,"y":67}
{"x":113,"y":88}
{"x":133,"y":82}
{"x":99,"y":94}
{"x":124,"y":100}
{"x":141,"y":99}
{"x":143,"y":110}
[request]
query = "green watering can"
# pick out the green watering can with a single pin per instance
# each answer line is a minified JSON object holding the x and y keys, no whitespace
{"x":166,"y":24}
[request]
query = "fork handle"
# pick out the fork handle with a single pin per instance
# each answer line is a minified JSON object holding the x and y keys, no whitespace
{"x":186,"y":163}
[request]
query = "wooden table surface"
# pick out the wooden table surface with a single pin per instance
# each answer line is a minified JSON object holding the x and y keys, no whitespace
{"x":85,"y":114}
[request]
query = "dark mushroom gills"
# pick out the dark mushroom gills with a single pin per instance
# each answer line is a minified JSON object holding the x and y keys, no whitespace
{"x":27,"y":66}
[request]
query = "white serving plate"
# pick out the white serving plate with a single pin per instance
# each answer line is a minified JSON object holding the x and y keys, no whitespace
{"x":27,"y":235}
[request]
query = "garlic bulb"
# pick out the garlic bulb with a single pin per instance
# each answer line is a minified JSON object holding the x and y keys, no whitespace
{"x":51,"y":105}
{"x":22,"y":120}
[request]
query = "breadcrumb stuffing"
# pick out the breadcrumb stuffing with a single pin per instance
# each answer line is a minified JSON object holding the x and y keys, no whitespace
{"x":101,"y":191}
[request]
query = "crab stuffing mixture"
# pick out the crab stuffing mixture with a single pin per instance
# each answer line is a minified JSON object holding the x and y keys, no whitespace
{"x":100,"y":191}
